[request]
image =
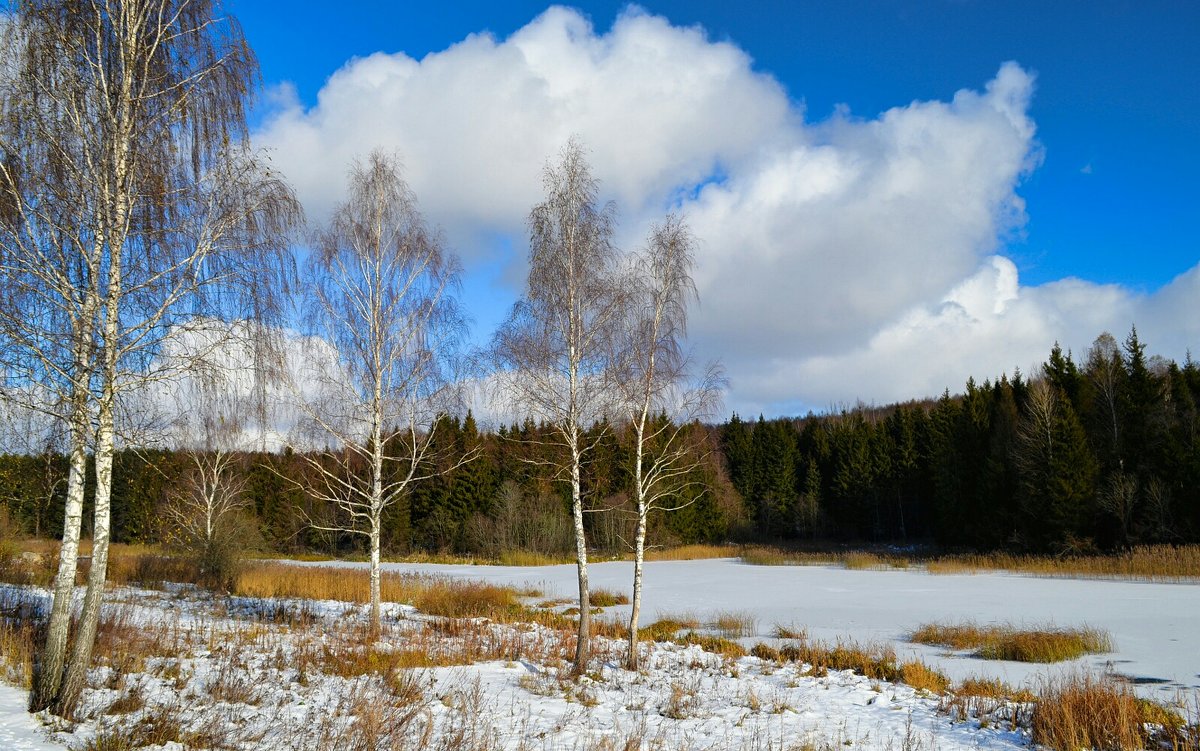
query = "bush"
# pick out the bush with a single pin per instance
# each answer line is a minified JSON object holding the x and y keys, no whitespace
{"x":217,"y":561}
{"x":532,"y":522}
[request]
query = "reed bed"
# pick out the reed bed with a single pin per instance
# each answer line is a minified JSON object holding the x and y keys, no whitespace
{"x":876,"y":661}
{"x":693,"y":552}
{"x":1087,"y":712}
{"x":429,"y":594}
{"x":1007,"y":642}
{"x":1146,"y":563}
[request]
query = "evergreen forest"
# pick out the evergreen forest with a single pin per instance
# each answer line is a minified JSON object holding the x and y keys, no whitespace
{"x":1094,"y":454}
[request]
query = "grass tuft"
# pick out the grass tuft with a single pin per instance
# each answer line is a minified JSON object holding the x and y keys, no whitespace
{"x":606,"y":598}
{"x":923,"y":678}
{"x":1007,"y":642}
{"x":1086,"y":712}
{"x":714,"y":644}
{"x":665,"y":629}
{"x":734,"y":624}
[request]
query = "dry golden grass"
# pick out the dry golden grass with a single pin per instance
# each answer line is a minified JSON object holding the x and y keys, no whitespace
{"x":1087,"y":712}
{"x":761,"y":555}
{"x":877,"y":661}
{"x":716,"y":644}
{"x":530,"y":558}
{"x":735,"y":624}
{"x":1147,"y":563}
{"x":692,"y":553}
{"x":665,"y":629}
{"x":17,"y":646}
{"x":1007,"y":642}
{"x":923,"y":678}
{"x":993,"y":688}
{"x":432,"y":595}
{"x":863,"y":561}
{"x":783,"y":631}
{"x":606,"y":598}
{"x":858,"y":560}
{"x":766,"y":652}
{"x":989,"y":700}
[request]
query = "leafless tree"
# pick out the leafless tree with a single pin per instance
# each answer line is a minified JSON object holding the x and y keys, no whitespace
{"x":380,"y":292}
{"x":1035,"y":433}
{"x":203,"y":509}
{"x":1120,"y":498}
{"x":132,"y":206}
{"x":657,"y":396}
{"x":554,"y":352}
{"x":1105,"y":370}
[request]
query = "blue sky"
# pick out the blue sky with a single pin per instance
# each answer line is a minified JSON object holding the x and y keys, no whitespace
{"x":1105,"y":161}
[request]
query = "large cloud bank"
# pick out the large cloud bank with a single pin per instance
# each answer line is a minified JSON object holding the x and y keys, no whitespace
{"x":840,"y":260}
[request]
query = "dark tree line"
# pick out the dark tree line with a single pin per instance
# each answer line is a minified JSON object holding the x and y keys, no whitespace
{"x":504,"y":500}
{"x":1101,"y":454}
{"x":1097,"y":455}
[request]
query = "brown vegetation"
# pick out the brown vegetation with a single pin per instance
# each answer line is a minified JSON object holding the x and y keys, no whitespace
{"x":1007,"y":642}
{"x":1146,"y":563}
{"x":1086,"y":712}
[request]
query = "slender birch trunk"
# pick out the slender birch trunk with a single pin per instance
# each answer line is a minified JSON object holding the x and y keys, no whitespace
{"x":582,"y":645}
{"x":639,"y":548}
{"x":49,"y":668}
{"x":377,"y":506}
{"x":377,"y":501}
{"x":639,"y":557}
{"x":375,"y":594}
{"x":75,"y":677}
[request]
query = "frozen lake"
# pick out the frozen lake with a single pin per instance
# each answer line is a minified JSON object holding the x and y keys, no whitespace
{"x":1155,"y":626}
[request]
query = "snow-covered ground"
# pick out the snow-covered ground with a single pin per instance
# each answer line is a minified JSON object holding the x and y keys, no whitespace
{"x":1156,"y":627}
{"x":250,"y":675}
{"x":19,"y":730}
{"x":255,"y":684}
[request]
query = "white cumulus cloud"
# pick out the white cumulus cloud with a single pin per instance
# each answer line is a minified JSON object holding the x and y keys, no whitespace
{"x":849,"y":258}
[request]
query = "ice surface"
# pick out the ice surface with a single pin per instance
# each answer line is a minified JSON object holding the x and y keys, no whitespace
{"x":1156,"y":627}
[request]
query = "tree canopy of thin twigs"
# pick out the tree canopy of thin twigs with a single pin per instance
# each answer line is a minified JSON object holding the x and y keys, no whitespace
{"x":658,"y":396}
{"x":381,"y":291}
{"x":133,"y":210}
{"x":555,"y":350}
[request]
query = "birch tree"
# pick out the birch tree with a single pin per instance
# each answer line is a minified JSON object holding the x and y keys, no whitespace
{"x":555,"y":350}
{"x":137,"y":206}
{"x":658,"y":400}
{"x":381,"y":292}
{"x":203,"y":509}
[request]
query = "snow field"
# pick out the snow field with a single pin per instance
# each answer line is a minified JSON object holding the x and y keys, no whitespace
{"x":188,"y":669}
